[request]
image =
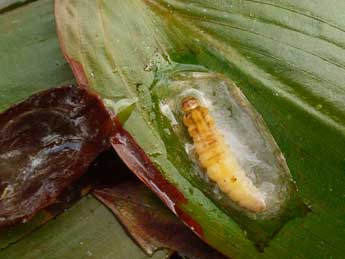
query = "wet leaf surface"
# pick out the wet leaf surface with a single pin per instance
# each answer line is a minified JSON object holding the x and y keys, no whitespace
{"x":30,"y":62}
{"x":286,"y":56}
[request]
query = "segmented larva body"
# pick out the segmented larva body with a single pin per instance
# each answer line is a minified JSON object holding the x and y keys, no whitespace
{"x":216,"y":157}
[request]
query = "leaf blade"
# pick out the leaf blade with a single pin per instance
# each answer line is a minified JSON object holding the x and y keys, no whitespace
{"x":285,"y":82}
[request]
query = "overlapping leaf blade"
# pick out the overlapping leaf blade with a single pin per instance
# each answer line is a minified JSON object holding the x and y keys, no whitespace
{"x":31,"y":61}
{"x":287,"y":57}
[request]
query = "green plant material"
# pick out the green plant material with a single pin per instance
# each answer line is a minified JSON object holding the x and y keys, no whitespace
{"x":97,"y":175}
{"x":229,"y":104}
{"x":30,"y":57}
{"x":149,"y":222}
{"x":12,"y":235}
{"x":30,"y":62}
{"x":287,"y":57}
{"x":7,"y":5}
{"x":66,"y":199}
{"x":97,"y":235}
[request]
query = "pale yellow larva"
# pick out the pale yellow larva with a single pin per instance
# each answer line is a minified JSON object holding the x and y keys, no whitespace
{"x":217,"y":159}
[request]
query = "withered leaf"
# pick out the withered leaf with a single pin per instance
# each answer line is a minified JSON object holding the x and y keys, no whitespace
{"x":149,"y":222}
{"x":47,"y":142}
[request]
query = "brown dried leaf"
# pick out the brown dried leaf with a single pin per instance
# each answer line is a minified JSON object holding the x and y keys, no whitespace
{"x":47,"y":142}
{"x":149,"y":222}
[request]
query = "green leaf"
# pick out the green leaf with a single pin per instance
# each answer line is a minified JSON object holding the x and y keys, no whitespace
{"x":286,"y":56}
{"x":149,"y":222}
{"x":5,"y":5}
{"x":30,"y":57}
{"x":30,"y":62}
{"x":97,"y":235}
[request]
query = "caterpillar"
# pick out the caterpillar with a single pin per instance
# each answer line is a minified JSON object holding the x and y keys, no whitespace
{"x":216,"y":157}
